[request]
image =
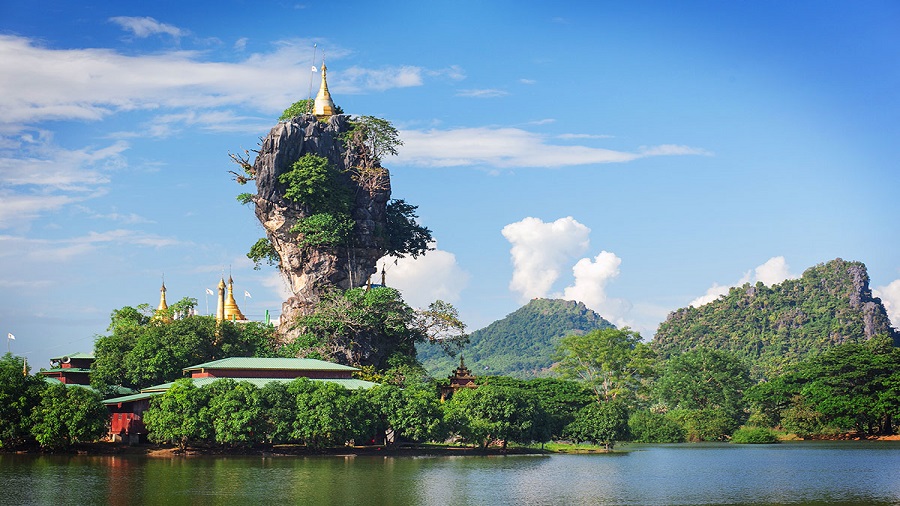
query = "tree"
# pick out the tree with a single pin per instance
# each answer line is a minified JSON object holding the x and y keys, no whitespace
{"x":603,"y":423}
{"x":492,"y":412}
{"x":612,"y":362}
{"x":278,"y":408}
{"x":357,"y":327}
{"x":560,"y":399}
{"x":322,"y":413}
{"x":180,"y":415}
{"x":68,"y":415}
{"x":19,"y":395}
{"x":142,"y":351}
{"x":440,"y":323}
{"x":709,"y":382}
{"x":413,"y":412}
{"x":235,"y":412}
{"x":404,"y":236}
{"x":648,"y":426}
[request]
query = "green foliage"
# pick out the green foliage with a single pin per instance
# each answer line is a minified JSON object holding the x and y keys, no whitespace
{"x":522,"y":344}
{"x":649,"y":427}
{"x":181,"y":415}
{"x":404,"y":236}
{"x":245,"y":198}
{"x":315,"y":184}
{"x":612,"y":363}
{"x":600,"y":423}
{"x":235,"y":411}
{"x":261,"y":251}
{"x":323,"y":413}
{"x":301,"y":107}
{"x":413,"y":412}
{"x":560,"y":399}
{"x":754,"y":435}
{"x":774,"y":328}
{"x":325,"y":229}
{"x":370,"y":139}
{"x":709,"y":424}
{"x":848,"y":387}
{"x":68,"y":415}
{"x":492,"y":412}
{"x":357,"y":327}
{"x":141,"y":352}
{"x":440,"y":323}
{"x":706,"y":381}
{"x":19,"y":395}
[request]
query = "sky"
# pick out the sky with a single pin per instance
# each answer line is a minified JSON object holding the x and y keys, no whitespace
{"x":636,"y":156}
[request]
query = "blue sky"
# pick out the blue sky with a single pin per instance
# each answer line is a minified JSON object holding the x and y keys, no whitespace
{"x":636,"y":156}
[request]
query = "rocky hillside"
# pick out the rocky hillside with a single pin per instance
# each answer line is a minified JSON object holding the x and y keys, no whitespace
{"x":521,"y":345}
{"x":775,"y":327}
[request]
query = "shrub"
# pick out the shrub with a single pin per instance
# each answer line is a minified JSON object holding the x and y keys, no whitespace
{"x":754,"y":435}
{"x":649,"y":427}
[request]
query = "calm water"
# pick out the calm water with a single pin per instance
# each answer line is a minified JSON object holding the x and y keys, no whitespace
{"x":793,"y":473}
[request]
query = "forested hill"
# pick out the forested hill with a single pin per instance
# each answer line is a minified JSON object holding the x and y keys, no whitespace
{"x":522,"y":344}
{"x":775,"y":327}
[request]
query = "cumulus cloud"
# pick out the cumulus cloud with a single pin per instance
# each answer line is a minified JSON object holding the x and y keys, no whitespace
{"x":144,"y":27}
{"x":591,"y":277}
{"x":541,"y":250}
{"x":890,"y":297}
{"x":773,"y":271}
{"x":512,"y":147}
{"x":432,"y":276}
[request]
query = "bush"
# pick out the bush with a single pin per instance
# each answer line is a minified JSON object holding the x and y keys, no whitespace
{"x":649,"y":427}
{"x":754,"y":435}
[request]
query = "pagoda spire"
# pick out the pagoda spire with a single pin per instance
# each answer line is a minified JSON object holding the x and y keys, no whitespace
{"x":220,"y":307}
{"x":162,"y":312}
{"x":232,"y":312}
{"x":323,"y":107}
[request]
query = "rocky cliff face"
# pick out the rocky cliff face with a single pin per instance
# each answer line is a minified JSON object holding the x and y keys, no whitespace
{"x":312,"y":269}
{"x":775,"y":327}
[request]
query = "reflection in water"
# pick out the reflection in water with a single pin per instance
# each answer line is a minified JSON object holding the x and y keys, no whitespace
{"x":796,"y":473}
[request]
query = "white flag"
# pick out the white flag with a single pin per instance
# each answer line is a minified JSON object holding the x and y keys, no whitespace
{"x":10,"y":336}
{"x":247,"y":294}
{"x":209,"y":292}
{"x":314,"y":69}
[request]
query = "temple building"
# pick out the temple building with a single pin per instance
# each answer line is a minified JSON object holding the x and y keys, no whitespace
{"x":461,"y":378}
{"x":73,"y":369}
{"x":126,"y":412}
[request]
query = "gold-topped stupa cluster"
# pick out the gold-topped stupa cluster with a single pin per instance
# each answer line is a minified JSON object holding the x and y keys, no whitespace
{"x":226,"y":309}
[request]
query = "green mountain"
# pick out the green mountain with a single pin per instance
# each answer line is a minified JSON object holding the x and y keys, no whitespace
{"x":521,"y":345}
{"x":776,"y":327}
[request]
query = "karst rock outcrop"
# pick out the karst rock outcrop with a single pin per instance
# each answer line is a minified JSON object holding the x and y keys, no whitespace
{"x":309,"y":269}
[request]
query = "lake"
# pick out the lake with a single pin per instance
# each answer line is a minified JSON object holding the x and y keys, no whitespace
{"x":790,"y":473}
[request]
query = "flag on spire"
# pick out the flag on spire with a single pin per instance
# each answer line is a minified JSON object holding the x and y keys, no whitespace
{"x":10,"y":336}
{"x":209,"y":292}
{"x":247,"y":294}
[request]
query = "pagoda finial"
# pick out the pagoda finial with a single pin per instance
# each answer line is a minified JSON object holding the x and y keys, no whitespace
{"x":323,"y":107}
{"x":232,"y":312}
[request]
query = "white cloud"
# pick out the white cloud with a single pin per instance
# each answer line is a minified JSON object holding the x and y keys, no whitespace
{"x":773,"y":271}
{"x":62,"y":250}
{"x":583,"y":136}
{"x":482,"y":93}
{"x":540,"y":250}
{"x":241,"y":44}
{"x":527,"y":81}
{"x":591,"y":278}
{"x":511,"y":147}
{"x":38,"y":83}
{"x":890,"y":297}
{"x":143,"y":27}
{"x":435,"y":275}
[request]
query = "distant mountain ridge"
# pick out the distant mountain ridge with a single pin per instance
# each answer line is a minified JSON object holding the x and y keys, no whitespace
{"x":520,"y":345}
{"x":776,"y":327}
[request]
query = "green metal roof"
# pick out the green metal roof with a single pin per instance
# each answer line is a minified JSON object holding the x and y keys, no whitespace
{"x":67,"y":369}
{"x":289,"y":364}
{"x":134,"y":397}
{"x":75,"y":355}
{"x":349,"y":384}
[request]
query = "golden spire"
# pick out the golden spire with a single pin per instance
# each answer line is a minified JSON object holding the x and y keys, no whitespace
{"x":220,"y":307}
{"x":162,"y":312}
{"x":232,"y":312}
{"x":323,"y":107}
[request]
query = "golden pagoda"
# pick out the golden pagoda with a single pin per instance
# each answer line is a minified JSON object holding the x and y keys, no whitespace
{"x":220,"y":307}
{"x":232,"y":311}
{"x":323,"y":107}
{"x":162,"y":312}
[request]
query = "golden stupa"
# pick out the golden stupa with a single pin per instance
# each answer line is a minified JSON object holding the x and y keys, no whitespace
{"x":323,"y":107}
{"x":232,"y":311}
